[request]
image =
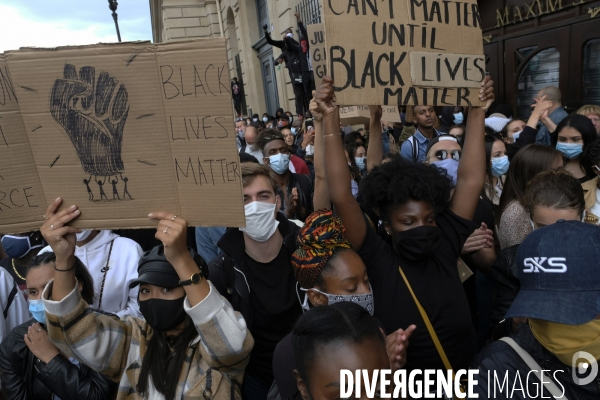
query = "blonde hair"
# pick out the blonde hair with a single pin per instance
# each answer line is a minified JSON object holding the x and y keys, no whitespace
{"x":589,"y":109}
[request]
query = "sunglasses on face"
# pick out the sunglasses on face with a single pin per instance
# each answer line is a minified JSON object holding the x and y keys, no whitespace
{"x":443,"y":154}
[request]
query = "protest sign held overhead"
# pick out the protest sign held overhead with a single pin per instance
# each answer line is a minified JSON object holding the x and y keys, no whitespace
{"x":120,"y":130}
{"x":354,"y":115}
{"x":318,"y":54}
{"x":404,"y":52}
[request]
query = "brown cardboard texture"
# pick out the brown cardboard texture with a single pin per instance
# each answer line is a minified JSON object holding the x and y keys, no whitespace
{"x":122,"y":130}
{"x":354,"y":115}
{"x":318,"y":54}
{"x":405,"y":52}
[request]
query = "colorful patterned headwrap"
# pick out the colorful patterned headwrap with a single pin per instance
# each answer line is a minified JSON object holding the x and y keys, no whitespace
{"x":321,"y":236}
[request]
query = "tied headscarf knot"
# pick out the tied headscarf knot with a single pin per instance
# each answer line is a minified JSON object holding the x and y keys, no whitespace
{"x":321,"y":236}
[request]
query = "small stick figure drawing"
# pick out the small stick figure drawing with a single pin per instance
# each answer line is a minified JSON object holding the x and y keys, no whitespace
{"x":115,"y":193}
{"x":87,"y":185}
{"x":102,"y":194}
{"x":126,"y":192}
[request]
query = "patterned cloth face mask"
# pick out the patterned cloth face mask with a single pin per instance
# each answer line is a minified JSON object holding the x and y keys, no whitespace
{"x":364,"y":300}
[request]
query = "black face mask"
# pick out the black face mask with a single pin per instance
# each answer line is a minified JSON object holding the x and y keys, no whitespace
{"x":163,"y":315}
{"x":419,"y":243}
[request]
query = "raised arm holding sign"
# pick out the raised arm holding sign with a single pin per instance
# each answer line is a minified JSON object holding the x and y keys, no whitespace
{"x":405,"y":52}
{"x":118,"y":130}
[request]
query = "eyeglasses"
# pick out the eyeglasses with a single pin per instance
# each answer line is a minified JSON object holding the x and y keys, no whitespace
{"x":443,"y":154}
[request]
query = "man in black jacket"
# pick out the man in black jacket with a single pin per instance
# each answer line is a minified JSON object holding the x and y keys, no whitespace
{"x":255,"y":274}
{"x":560,"y":296}
{"x":297,"y":64}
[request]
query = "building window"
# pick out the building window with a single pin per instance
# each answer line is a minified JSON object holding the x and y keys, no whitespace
{"x":591,"y":72}
{"x":263,"y":13}
{"x":310,"y":11}
{"x":540,"y":71}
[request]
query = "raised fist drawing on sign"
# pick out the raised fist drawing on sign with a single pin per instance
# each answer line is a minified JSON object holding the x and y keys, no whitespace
{"x":93,"y":113}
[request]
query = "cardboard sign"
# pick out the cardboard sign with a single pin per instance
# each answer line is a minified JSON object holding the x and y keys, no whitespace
{"x":318,"y":54}
{"x":354,"y":115}
{"x":121,"y":130}
{"x":405,"y":52}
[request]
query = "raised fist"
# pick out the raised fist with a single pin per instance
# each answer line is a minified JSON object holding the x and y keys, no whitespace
{"x":93,"y":114}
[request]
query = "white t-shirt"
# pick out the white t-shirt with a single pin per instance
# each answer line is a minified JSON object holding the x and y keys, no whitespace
{"x":117,"y":298}
{"x":13,"y":305}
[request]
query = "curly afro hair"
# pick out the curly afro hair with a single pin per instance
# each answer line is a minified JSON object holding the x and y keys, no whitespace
{"x":398,"y":181}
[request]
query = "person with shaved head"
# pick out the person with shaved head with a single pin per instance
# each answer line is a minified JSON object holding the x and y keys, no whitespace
{"x":553,"y":116}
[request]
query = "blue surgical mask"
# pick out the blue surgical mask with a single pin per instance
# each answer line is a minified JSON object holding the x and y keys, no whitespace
{"x":570,"y":150}
{"x":458,"y":118}
{"x":265,"y":119}
{"x":294,"y":131}
{"x":17,"y":246}
{"x":516,"y":135}
{"x":500,"y":165}
{"x":36,"y":308}
{"x":450,"y":167}
{"x":360,"y":162}
{"x":279,"y":163}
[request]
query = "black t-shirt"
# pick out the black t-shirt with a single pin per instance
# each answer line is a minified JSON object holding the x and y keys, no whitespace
{"x":275,"y":309}
{"x":483,"y":213}
{"x":436,"y":284}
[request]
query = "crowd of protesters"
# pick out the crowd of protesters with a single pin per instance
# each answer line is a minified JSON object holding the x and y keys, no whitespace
{"x":464,"y":240}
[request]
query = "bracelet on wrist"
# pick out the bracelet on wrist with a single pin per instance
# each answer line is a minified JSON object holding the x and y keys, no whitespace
{"x":64,"y":270}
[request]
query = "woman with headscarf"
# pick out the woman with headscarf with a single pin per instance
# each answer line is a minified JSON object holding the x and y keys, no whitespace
{"x":329,"y":271}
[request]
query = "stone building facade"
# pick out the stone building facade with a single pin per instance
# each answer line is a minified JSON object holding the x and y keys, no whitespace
{"x":251,"y":59}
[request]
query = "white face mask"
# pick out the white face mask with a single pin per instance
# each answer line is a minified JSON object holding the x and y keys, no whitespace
{"x":289,"y":35}
{"x":84,"y":234}
{"x":260,"y":220}
{"x":310,"y":150}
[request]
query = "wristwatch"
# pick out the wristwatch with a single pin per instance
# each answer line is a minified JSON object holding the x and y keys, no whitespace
{"x":194,"y":279}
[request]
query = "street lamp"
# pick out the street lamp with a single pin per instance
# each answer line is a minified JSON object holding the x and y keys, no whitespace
{"x":112,"y":4}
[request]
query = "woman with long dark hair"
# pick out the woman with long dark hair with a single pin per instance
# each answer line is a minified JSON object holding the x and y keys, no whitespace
{"x":496,"y":165}
{"x":191,"y":343}
{"x":513,"y":219}
{"x":571,"y":137}
{"x":31,"y":366}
